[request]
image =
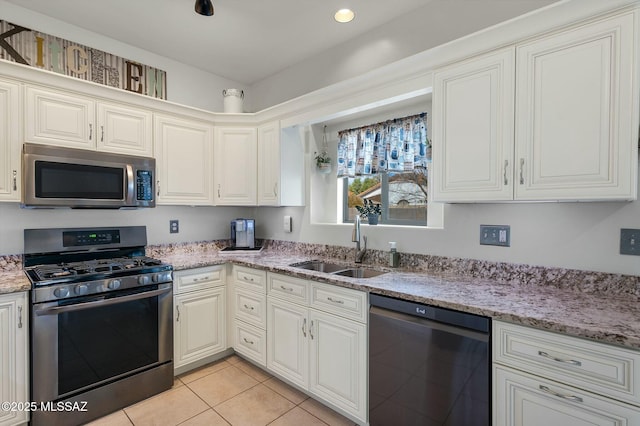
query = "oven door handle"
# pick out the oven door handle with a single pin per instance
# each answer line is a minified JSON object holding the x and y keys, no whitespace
{"x":105,"y":302}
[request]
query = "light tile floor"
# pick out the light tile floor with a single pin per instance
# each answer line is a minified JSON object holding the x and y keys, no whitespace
{"x":227,"y":392}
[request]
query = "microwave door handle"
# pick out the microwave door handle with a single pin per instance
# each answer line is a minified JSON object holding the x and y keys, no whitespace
{"x":130,"y":197}
{"x":105,"y":302}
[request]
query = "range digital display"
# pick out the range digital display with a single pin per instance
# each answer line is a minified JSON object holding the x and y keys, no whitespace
{"x":90,"y":238}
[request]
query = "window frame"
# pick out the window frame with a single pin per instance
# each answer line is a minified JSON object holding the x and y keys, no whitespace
{"x":384,"y":204}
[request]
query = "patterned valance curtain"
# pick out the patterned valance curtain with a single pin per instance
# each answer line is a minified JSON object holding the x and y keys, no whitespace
{"x":392,"y":146}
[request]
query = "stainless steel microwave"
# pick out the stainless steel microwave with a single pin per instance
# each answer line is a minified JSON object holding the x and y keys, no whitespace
{"x":76,"y":178}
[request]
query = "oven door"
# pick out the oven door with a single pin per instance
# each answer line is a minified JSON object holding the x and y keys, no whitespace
{"x":84,"y":343}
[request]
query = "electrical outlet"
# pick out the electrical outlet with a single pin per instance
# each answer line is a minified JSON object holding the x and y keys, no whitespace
{"x":174,"y":226}
{"x":495,"y":235}
{"x":630,"y":241}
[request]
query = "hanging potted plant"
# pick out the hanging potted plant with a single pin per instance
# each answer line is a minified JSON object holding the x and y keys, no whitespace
{"x":323,"y":162}
{"x":370,"y":211}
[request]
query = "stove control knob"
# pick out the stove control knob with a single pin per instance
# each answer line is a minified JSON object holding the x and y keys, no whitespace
{"x":61,"y":292}
{"x":143,"y":279}
{"x":157,"y":277}
{"x":81,"y":289}
{"x":114,"y":285}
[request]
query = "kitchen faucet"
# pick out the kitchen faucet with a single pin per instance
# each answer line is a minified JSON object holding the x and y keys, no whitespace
{"x":355,"y":237}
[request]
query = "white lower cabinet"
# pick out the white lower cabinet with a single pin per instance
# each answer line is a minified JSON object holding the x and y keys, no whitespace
{"x":14,"y":356}
{"x":320,"y":349}
{"x":199,"y":316}
{"x":544,"y":378}
{"x":249,"y":306}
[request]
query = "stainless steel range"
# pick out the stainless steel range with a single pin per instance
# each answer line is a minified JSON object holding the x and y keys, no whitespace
{"x":101,"y":322}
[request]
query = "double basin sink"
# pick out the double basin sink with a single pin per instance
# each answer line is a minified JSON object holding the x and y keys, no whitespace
{"x":336,"y":269}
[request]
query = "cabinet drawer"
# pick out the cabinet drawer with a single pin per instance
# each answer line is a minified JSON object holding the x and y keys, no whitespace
{"x":251,"y":342}
{"x":290,"y":288}
{"x":198,"y":279}
{"x":251,"y":307}
{"x":250,"y":278}
{"x":341,"y":301}
{"x":524,"y":399}
{"x":596,"y":367}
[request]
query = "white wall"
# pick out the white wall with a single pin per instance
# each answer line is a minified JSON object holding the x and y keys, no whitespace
{"x":185,"y":85}
{"x":407,"y":35}
{"x":196,"y":223}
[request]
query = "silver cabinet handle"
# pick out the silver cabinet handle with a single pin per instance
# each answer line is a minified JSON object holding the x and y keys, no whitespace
{"x":506,"y":165}
{"x":90,"y":131}
{"x":289,"y":289}
{"x":102,"y":135}
{"x":178,"y":317}
{"x":247,"y":278}
{"x":218,"y":190}
{"x":522,"y":171}
{"x":275,"y":189}
{"x":195,"y":280}
{"x":338,"y":301}
{"x":304,"y":327}
{"x":251,"y":308}
{"x":247,"y":341}
{"x":158,"y":185}
{"x":19,"y":316}
{"x":564,"y":361}
{"x":311,"y":330}
{"x":571,"y":398}
{"x":15,"y":180}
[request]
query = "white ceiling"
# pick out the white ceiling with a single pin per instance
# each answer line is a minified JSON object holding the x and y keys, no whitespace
{"x":248,"y":40}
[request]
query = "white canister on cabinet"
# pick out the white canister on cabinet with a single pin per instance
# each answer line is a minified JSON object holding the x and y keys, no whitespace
{"x":233,"y":99}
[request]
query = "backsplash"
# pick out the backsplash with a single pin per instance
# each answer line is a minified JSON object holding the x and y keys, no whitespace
{"x":501,"y":272}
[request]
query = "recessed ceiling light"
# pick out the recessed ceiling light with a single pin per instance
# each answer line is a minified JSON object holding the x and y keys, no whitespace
{"x":344,"y":15}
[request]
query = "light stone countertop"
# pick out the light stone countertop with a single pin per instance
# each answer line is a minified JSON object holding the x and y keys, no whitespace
{"x":605,"y":316}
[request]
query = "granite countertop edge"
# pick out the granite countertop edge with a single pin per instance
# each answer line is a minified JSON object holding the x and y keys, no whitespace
{"x":596,"y":317}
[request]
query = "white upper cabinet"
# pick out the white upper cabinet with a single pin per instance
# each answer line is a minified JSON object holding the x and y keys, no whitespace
{"x":473,"y":137}
{"x":577,"y":113}
{"x":235,"y":159}
{"x":574,"y":133}
{"x":60,"y":118}
{"x":10,"y":141}
{"x":125,"y":129}
{"x":269,"y":164}
{"x":55,"y":117}
{"x":183,"y":151}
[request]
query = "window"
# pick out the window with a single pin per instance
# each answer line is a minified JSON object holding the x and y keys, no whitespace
{"x":402,"y":196}
{"x":386,"y":163}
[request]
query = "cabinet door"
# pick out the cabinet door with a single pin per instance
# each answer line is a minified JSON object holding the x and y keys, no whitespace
{"x":577,"y":114}
{"x":183,"y":151}
{"x":338,"y":362}
{"x":287,"y":344}
{"x":10,"y":141}
{"x":524,"y":400}
{"x":473,"y":129}
{"x":14,"y":356}
{"x":124,"y":130}
{"x":235,"y":166}
{"x":59,"y":118}
{"x":269,"y":164}
{"x":199,"y":328}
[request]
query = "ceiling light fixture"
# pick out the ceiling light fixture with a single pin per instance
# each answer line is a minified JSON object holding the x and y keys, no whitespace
{"x":204,"y":7}
{"x":344,"y":16}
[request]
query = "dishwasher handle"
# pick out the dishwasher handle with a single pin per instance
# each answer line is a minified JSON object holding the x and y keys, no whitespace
{"x":447,"y":328}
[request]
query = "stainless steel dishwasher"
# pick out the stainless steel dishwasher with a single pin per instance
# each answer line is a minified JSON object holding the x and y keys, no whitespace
{"x":427,"y":365}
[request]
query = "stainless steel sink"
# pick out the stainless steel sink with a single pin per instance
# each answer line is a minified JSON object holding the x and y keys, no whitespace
{"x":359,"y":273}
{"x":320,"y":266}
{"x":337,"y":269}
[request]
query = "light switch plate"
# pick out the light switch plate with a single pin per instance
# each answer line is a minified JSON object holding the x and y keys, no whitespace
{"x":630,"y":241}
{"x":495,"y":235}
{"x":287,"y":224}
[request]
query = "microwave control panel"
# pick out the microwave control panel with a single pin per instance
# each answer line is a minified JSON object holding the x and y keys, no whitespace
{"x":144,"y":184}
